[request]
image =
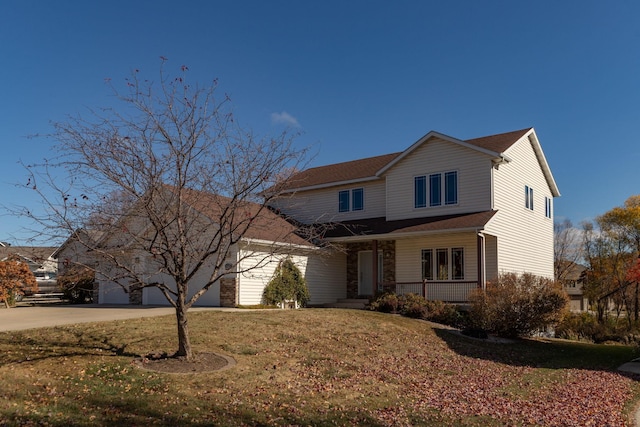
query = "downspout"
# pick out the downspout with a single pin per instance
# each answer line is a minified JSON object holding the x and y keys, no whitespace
{"x":481,"y":260}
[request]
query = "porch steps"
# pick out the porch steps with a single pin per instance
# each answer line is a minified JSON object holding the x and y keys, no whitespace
{"x":353,"y":303}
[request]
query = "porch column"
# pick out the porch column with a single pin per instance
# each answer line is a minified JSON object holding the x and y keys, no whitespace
{"x":481,"y":267}
{"x":374,"y":266}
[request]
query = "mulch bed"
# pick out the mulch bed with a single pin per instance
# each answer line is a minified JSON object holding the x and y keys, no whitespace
{"x":202,"y":362}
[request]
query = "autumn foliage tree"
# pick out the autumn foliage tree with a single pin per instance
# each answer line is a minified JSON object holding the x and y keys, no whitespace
{"x":612,"y":248}
{"x":166,"y":141}
{"x":15,"y":279}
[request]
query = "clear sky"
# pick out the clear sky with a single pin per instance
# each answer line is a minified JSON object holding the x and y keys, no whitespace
{"x":358,"y":78}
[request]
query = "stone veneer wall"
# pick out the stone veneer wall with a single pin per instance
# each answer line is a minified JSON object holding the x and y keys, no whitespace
{"x":228,"y":292}
{"x":388,"y":248}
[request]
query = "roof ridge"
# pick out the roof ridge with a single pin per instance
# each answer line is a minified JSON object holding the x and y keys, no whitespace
{"x":366,"y":168}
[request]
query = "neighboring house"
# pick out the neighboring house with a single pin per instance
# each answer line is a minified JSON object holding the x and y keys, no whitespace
{"x":573,"y":278}
{"x":74,"y":253}
{"x":440,"y":218}
{"x":40,"y":261}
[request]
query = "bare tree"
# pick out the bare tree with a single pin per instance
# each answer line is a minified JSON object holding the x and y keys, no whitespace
{"x":567,"y":248}
{"x":168,"y":177}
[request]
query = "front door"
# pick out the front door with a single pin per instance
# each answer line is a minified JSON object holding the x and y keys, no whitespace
{"x":365,"y":272}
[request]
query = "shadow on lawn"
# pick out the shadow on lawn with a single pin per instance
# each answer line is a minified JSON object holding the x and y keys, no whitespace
{"x":58,"y":342}
{"x":540,"y":353}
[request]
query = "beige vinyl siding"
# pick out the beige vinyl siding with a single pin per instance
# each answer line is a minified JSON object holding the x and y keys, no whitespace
{"x":325,"y":274}
{"x":409,"y":254}
{"x":491,"y":257}
{"x":153,"y":296}
{"x":437,"y":156}
{"x":326,"y":277}
{"x":322,"y":205}
{"x":525,"y":237}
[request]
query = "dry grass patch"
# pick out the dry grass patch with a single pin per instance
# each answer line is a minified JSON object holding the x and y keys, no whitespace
{"x":307,"y":367}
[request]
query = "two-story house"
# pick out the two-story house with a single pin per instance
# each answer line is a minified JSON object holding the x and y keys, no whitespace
{"x":439,"y":218}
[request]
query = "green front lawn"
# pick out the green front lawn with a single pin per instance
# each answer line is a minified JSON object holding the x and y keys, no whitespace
{"x":308,"y":367}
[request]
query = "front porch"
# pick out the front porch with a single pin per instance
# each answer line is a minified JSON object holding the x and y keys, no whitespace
{"x":377,"y":266}
{"x":446,"y":291}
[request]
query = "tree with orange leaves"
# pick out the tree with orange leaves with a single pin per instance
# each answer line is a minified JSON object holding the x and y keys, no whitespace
{"x":15,"y":278}
{"x":612,"y":253}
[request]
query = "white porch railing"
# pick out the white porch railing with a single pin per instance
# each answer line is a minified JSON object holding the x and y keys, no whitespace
{"x":453,"y":291}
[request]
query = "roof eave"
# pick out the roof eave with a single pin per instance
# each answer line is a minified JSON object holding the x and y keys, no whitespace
{"x":546,"y":170}
{"x":330,"y":184}
{"x":381,"y":236}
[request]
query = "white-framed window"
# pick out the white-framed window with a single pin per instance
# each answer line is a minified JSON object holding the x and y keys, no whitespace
{"x":548,"y":207}
{"x":351,"y":200}
{"x":443,"y":264}
{"x":528,"y":197}
{"x":436,"y":189}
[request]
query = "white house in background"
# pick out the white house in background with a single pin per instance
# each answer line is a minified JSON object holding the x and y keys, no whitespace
{"x":439,"y":218}
{"x":40,"y":261}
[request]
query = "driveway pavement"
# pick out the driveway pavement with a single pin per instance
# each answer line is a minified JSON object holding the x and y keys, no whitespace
{"x":19,"y":318}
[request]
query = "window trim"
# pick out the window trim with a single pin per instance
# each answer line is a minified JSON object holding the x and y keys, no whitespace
{"x":432,"y":261}
{"x":355,"y":191}
{"x":548,"y":207}
{"x":344,"y":201}
{"x":347,"y":200}
{"x":420,"y":194}
{"x":425,"y":194}
{"x":528,"y":197}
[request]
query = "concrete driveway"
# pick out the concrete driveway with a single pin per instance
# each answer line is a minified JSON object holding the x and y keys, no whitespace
{"x":19,"y":318}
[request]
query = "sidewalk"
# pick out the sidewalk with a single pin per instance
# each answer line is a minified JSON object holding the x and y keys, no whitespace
{"x":20,"y":318}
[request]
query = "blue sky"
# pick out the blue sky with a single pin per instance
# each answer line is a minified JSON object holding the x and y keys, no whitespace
{"x":358,"y":78}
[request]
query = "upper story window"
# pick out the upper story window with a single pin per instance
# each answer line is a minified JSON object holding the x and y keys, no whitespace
{"x":547,"y":207}
{"x":438,"y":189}
{"x":351,"y":200}
{"x":528,"y":197}
{"x":420,"y":189}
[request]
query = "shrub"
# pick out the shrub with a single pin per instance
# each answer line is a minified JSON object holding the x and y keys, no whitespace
{"x":77,"y":284}
{"x":447,"y":314}
{"x":517,"y":305}
{"x":417,"y":307}
{"x":577,"y":326}
{"x":585,"y":327}
{"x":413,"y":305}
{"x":385,"y":303}
{"x":287,"y":284}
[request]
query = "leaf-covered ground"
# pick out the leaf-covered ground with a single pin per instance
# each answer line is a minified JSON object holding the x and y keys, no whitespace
{"x":309,"y":367}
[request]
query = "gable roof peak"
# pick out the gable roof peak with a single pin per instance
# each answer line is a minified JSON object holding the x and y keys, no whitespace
{"x":371,"y":168}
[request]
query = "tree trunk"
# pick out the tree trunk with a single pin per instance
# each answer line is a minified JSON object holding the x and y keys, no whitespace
{"x":184,"y":343}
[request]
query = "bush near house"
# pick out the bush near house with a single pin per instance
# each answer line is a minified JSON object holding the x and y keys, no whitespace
{"x":77,"y":284}
{"x":287,"y":284}
{"x":585,"y":327}
{"x":417,"y":307}
{"x":517,"y":305}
